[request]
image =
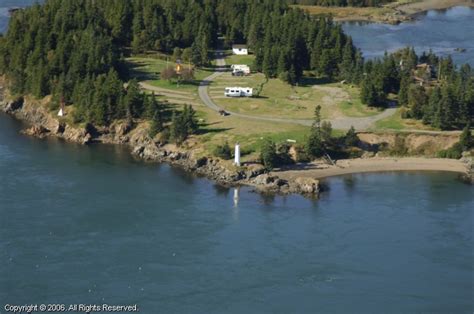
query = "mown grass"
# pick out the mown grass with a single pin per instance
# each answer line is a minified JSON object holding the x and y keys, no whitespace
{"x":355,"y":107}
{"x":238,"y":59}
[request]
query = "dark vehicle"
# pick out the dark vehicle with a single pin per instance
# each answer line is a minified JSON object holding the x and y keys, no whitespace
{"x":224,"y":113}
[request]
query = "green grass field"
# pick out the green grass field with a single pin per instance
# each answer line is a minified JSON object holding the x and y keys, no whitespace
{"x":148,"y":69}
{"x":279,"y":99}
{"x":396,"y":123}
{"x":237,"y":59}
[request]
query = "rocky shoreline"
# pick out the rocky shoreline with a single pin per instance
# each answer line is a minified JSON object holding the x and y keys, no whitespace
{"x":42,"y":124}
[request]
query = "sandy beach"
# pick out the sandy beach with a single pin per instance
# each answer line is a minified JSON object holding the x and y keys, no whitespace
{"x":352,"y":166}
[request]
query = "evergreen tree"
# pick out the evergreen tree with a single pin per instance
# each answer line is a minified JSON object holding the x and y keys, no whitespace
{"x":466,"y":141}
{"x":351,"y":138}
{"x":268,"y":155}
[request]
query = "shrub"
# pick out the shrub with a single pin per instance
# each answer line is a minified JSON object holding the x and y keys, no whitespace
{"x":268,"y":155}
{"x":223,"y":151}
{"x":455,"y":152}
{"x":399,"y":148}
{"x":351,"y":138}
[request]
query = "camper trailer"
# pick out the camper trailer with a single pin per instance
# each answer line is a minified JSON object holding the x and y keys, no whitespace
{"x":238,"y":92}
{"x":240,"y":69}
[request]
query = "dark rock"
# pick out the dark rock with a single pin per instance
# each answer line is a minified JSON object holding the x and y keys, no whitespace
{"x":61,"y":128}
{"x":14,"y":105}
{"x":201,"y":162}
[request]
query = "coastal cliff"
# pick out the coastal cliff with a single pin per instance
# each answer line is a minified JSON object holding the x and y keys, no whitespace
{"x":41,"y":123}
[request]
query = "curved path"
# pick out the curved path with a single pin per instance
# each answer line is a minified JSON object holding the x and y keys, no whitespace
{"x":339,"y":123}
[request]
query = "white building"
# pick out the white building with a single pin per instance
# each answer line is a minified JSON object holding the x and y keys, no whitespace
{"x":240,"y":69}
{"x":237,"y":155}
{"x":240,"y":50}
{"x":238,"y":92}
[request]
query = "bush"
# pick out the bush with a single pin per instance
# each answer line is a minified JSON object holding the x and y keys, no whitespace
{"x":223,"y":151}
{"x":301,"y":154}
{"x":351,"y":138}
{"x":455,"y":152}
{"x":399,"y":148}
{"x":283,"y":152}
{"x":268,"y":155}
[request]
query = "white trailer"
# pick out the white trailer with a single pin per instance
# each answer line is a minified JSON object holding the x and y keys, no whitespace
{"x":240,"y":69}
{"x":238,"y":92}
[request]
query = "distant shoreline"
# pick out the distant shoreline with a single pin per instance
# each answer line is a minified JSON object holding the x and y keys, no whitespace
{"x":393,"y":13}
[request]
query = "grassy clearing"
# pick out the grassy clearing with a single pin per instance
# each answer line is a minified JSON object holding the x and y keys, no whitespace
{"x":148,"y":69}
{"x":396,"y":123}
{"x":279,"y":99}
{"x":354,"y":107}
{"x":235,"y":59}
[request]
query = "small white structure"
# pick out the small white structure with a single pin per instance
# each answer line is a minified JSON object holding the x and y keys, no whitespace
{"x":240,"y":50}
{"x":61,"y":113}
{"x":237,"y":155}
{"x":238,"y":92}
{"x":240,"y":69}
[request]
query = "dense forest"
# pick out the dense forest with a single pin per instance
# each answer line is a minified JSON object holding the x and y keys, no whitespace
{"x":341,"y":3}
{"x":429,"y":88}
{"x":74,"y":49}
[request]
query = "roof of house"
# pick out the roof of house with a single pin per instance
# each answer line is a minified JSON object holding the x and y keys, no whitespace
{"x":239,"y":46}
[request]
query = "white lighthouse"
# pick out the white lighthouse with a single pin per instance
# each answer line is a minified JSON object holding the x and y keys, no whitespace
{"x":237,"y":155}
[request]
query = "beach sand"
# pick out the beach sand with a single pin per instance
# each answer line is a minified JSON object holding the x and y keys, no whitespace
{"x":351,"y":166}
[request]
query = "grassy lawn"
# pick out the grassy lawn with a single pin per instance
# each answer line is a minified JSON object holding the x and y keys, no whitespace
{"x":148,"y":69}
{"x":396,"y":123}
{"x":354,"y":107}
{"x":235,"y":59}
{"x":279,"y":99}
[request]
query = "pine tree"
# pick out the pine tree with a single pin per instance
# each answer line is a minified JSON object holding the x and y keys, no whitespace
{"x":466,"y":139}
{"x":351,"y":138}
{"x":314,"y":145}
{"x":268,"y":154}
{"x":404,"y":87}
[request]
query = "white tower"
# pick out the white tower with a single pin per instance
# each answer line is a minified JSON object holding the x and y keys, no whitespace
{"x":237,"y":155}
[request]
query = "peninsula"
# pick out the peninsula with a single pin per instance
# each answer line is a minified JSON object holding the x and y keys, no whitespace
{"x":168,"y":83}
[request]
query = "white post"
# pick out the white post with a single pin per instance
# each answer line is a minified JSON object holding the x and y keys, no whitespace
{"x":237,"y":155}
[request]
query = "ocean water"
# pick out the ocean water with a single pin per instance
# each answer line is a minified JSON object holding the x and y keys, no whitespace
{"x":91,"y":225}
{"x":442,"y":31}
{"x":5,"y":5}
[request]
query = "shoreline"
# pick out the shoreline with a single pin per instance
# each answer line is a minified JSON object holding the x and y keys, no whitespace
{"x":300,"y":179}
{"x":392,"y":13}
{"x":375,"y":165}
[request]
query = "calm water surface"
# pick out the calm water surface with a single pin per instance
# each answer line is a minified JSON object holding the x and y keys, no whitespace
{"x":441,"y":31}
{"x":91,"y":225}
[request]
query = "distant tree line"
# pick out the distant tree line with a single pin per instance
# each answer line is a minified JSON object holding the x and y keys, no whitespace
{"x":429,"y":88}
{"x":341,"y":3}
